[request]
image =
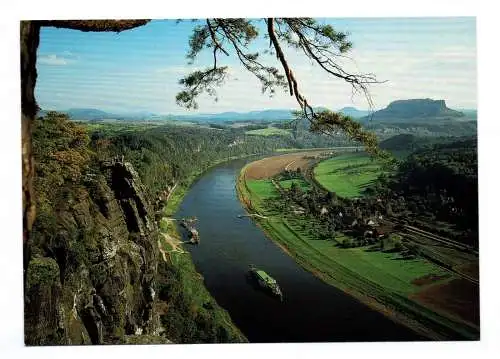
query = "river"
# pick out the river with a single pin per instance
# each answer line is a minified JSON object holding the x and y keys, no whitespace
{"x":312,"y":311}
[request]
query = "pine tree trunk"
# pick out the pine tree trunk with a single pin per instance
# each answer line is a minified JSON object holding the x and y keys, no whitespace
{"x":30,"y":35}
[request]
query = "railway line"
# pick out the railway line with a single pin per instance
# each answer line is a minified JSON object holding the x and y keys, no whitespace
{"x":431,"y":256}
{"x":432,"y":236}
{"x":440,"y":239}
{"x":416,"y":235}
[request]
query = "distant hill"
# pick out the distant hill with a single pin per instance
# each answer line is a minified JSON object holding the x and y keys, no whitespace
{"x":96,"y":114}
{"x":404,"y":142}
{"x":88,"y":114}
{"x":265,"y":115}
{"x":353,"y":112}
{"x":470,"y":113}
{"x":415,"y":109}
{"x":83,"y":114}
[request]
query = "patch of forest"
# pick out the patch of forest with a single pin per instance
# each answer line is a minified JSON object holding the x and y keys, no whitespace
{"x":435,"y":186}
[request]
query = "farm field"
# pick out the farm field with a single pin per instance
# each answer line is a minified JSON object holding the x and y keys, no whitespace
{"x":269,"y":131}
{"x":455,"y":295}
{"x":341,"y":148}
{"x":270,"y":166}
{"x":403,"y":289}
{"x":348,"y":174}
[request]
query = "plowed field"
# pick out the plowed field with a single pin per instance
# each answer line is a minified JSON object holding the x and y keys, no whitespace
{"x":271,"y":166}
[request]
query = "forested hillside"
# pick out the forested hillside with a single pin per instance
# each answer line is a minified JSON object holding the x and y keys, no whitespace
{"x":166,"y":154}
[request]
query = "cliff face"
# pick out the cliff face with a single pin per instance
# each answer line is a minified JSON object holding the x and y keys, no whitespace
{"x":91,"y":278}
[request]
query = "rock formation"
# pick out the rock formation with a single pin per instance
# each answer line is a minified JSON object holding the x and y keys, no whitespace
{"x":93,"y":280}
{"x":414,"y":109}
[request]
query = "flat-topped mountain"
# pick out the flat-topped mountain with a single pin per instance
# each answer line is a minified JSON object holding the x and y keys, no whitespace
{"x":415,"y":109}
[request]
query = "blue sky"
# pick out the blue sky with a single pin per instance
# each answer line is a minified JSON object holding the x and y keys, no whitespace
{"x":138,"y":70}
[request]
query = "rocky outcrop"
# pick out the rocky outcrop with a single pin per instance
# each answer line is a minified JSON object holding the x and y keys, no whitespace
{"x":92,"y":278}
{"x":128,"y":191}
{"x":414,"y":109}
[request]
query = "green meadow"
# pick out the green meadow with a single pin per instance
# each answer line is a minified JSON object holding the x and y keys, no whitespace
{"x":286,"y":184}
{"x":347,"y":175}
{"x":269,"y":131}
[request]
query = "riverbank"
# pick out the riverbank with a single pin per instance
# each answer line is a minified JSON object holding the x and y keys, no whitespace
{"x":358,"y":273}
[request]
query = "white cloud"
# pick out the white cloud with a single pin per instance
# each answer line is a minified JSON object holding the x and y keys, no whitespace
{"x":53,"y":60}
{"x":175,"y":70}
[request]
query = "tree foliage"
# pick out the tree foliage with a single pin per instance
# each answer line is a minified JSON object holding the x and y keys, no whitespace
{"x":61,"y":155}
{"x":320,"y":43}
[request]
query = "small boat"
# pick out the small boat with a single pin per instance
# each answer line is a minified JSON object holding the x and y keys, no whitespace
{"x":265,"y":281}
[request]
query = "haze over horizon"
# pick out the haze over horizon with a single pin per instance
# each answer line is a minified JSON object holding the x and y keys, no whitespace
{"x":138,"y":70}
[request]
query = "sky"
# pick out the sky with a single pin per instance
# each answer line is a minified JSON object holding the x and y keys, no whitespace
{"x":138,"y":70}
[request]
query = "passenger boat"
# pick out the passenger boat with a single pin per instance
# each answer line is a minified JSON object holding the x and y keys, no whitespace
{"x":265,"y":281}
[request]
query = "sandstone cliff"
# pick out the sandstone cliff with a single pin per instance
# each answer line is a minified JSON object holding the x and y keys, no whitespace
{"x":92,"y":277}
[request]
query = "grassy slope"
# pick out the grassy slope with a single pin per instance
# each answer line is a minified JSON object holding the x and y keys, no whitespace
{"x":372,"y":277}
{"x":347,"y":175}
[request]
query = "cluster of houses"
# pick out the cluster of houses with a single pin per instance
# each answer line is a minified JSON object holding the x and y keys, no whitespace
{"x":365,"y":231}
{"x":362,"y":229}
{"x":370,"y":230}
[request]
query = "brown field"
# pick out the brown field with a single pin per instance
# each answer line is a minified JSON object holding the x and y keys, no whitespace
{"x":429,"y":279}
{"x":271,"y":166}
{"x":458,"y":297}
{"x":470,"y":269}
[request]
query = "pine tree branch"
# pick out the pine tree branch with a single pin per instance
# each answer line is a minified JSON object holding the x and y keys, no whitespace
{"x":94,"y":25}
{"x":214,"y":39}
